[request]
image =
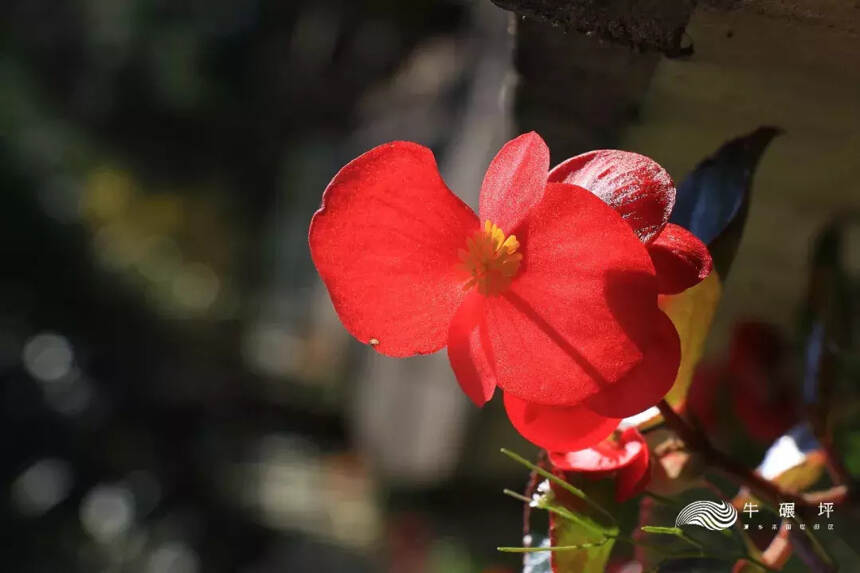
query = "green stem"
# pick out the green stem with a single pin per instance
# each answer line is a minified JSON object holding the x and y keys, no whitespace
{"x":676,"y":531}
{"x":554,"y":548}
{"x":560,"y":511}
{"x":561,"y":483}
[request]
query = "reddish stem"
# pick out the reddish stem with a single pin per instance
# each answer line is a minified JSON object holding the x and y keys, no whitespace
{"x":760,"y":487}
{"x":698,"y":442}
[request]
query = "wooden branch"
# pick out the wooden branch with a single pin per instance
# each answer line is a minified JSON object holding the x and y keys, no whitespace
{"x":656,"y":25}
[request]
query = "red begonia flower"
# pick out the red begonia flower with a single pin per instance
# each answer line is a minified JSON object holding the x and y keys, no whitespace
{"x":643,"y":193}
{"x":548,"y":295}
{"x":624,"y":456}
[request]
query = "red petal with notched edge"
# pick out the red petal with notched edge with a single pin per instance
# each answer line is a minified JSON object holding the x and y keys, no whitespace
{"x":627,"y":458}
{"x":469,"y":351}
{"x":514,"y":181}
{"x":680,"y":259}
{"x":649,"y":381}
{"x":574,"y":318}
{"x":558,"y":428}
{"x":609,"y":455}
{"x":385,"y":243}
{"x":634,"y":185}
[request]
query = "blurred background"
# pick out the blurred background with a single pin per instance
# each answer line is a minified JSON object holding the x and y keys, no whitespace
{"x":177,"y":393}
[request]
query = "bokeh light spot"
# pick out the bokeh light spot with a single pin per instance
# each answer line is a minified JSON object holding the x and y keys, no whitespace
{"x":107,"y":512}
{"x":41,"y":486}
{"x":48,"y":357}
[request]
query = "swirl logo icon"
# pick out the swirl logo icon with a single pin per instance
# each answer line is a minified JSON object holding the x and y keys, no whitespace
{"x":708,"y":514}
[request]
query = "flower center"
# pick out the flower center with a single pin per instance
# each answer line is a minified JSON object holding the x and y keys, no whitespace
{"x":491,"y":258}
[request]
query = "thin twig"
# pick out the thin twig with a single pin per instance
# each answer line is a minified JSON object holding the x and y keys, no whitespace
{"x":698,"y":442}
{"x":554,"y":547}
{"x":763,"y":489}
{"x":674,"y":531}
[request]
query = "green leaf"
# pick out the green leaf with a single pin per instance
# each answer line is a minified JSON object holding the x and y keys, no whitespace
{"x":691,"y":312}
{"x":582,"y":531}
{"x":849,"y":445}
{"x":589,"y":526}
{"x":593,"y":559}
{"x":712,"y":203}
{"x":657,"y":539}
{"x":827,"y":316}
{"x":713,"y":200}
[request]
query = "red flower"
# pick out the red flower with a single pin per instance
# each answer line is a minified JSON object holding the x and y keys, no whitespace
{"x":623,"y":456}
{"x":549,"y":296}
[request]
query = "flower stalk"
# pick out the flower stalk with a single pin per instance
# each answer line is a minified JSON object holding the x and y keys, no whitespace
{"x":768,"y":492}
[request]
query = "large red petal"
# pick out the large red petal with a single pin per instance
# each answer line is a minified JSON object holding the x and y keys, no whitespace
{"x":514,"y":181}
{"x":469,"y":351}
{"x":558,"y":428}
{"x":579,"y":314}
{"x":650,"y":380}
{"x":634,"y":185}
{"x":385,"y":243}
{"x":680,"y":259}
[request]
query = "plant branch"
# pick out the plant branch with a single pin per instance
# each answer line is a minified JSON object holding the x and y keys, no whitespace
{"x":697,"y":441}
{"x":765,"y":490}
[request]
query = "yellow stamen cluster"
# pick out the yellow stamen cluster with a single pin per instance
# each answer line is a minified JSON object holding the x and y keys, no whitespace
{"x":491,"y":258}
